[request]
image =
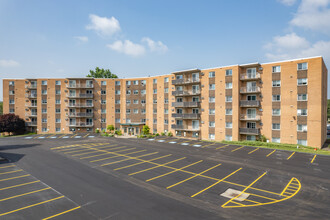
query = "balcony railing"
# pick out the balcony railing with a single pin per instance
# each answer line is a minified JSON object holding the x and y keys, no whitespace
{"x":30,"y":86}
{"x":80,"y":114}
{"x":79,"y":86}
{"x":254,"y":89}
{"x":84,"y":105}
{"x":249,"y":103}
{"x":183,"y":127}
{"x":31,"y":124}
{"x":247,"y":76}
{"x":186,"y":93}
{"x":251,"y":131}
{"x":31,"y":105}
{"x":86,"y":96}
{"x":186,"y":104}
{"x":32,"y":115}
{"x":31,"y":96}
{"x":187,"y":116}
{"x":81,"y":124}
{"x":250,"y":117}
{"x":185,"y":81}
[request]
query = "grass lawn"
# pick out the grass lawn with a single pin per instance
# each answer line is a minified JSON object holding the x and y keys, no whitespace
{"x":20,"y":135}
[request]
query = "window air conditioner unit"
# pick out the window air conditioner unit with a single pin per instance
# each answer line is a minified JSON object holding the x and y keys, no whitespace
{"x":66,"y":81}
{"x":202,"y":74}
{"x":260,"y":68}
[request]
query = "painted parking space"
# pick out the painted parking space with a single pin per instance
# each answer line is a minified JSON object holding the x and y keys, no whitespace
{"x":59,"y":136}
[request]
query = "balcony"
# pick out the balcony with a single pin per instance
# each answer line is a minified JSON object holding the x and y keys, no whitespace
{"x":250,"y":117}
{"x":187,"y":116}
{"x":185,"y":81}
{"x":81,"y":95}
{"x":79,"y":86}
{"x":31,"y":124}
{"x":247,"y":77}
{"x":249,"y":103}
{"x":255,"y":89}
{"x":81,"y":124}
{"x":249,"y":131}
{"x":31,"y":96}
{"x":184,"y":128}
{"x":186,"y":104}
{"x":186,"y":93}
{"x":29,"y":105}
{"x":31,"y":115}
{"x":80,"y":115}
{"x":31,"y":86}
{"x":84,"y":105}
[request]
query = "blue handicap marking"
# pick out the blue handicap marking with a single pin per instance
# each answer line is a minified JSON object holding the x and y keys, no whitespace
{"x":53,"y":137}
{"x":65,"y":137}
{"x":185,"y":144}
{"x":151,"y":139}
{"x":172,"y":142}
{"x":27,"y":137}
{"x":41,"y":137}
{"x":161,"y":140}
{"x":77,"y":137}
{"x":91,"y":136}
{"x":197,"y":145}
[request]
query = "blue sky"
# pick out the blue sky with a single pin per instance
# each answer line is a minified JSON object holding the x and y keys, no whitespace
{"x":139,"y":38}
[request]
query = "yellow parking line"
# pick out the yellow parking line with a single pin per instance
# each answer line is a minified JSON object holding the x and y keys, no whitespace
{"x":198,"y":174}
{"x":270,"y":153}
{"x":7,"y":166}
{"x":253,"y":150}
{"x":16,"y":177}
{"x":216,"y":182}
{"x":244,"y":189}
{"x":144,"y":155}
{"x":78,"y":146}
{"x":93,"y":152}
{"x":91,"y":148}
{"x":252,"y":201}
{"x":157,"y":158}
{"x":240,"y":204}
{"x":173,"y":171}
{"x":108,"y":153}
{"x":184,"y":141}
{"x":73,"y":135}
{"x":222,"y":147}
{"x":291,"y":155}
{"x":51,"y":136}
{"x":61,"y":136}
{"x":237,"y":149}
{"x":263,"y":197}
{"x":15,"y":171}
{"x":23,"y":184}
{"x":26,"y":207}
{"x":313,"y":158}
{"x":61,"y":213}
{"x":208,"y":145}
{"x":157,"y":166}
{"x":38,"y":136}
{"x":12,"y":197}
{"x":86,"y":135}
{"x":135,"y":152}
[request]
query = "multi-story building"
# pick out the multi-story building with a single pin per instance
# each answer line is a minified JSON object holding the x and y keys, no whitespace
{"x":284,"y":101}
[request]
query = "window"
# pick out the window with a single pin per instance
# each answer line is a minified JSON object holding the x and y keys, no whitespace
{"x":211,"y":74}
{"x":128,"y":92}
{"x":302,"y":112}
{"x":57,"y":129}
{"x":44,"y":129}
{"x":302,"y":81}
{"x":276,"y":98}
{"x":44,"y":110}
{"x":135,"y":111}
{"x":117,"y":120}
{"x":11,"y":83}
{"x":276,"y":83}
{"x":57,"y":120}
{"x":276,"y":140}
{"x":301,"y":128}
{"x":143,"y":101}
{"x":229,"y":111}
{"x":165,"y":111}
{"x":11,"y":92}
{"x":178,"y":88}
{"x":128,"y":83}
{"x":103,"y":120}
{"x":212,"y":124}
{"x":103,"y":101}
{"x":155,"y":91}
{"x":128,"y":101}
{"x":229,"y":138}
{"x":250,"y":138}
{"x":302,"y":142}
{"x":103,"y":83}
{"x":212,"y":87}
{"x":211,"y":99}
{"x":128,"y":111}
{"x":229,"y":72}
{"x":154,"y":81}
{"x":143,"y":92}
{"x":155,"y":111}
{"x":276,"y":112}
{"x":117,"y":92}
{"x":166,"y":79}
{"x":166,"y":121}
{"x":58,"y":92}
{"x":11,"y":101}
{"x":117,"y":83}
{"x":143,"y":120}
{"x":155,"y":101}
{"x":44,"y":82}
{"x":57,"y":82}
{"x":136,"y":82}
{"x":229,"y":98}
{"x":13,"y":111}
{"x":276,"y":69}
{"x":302,"y":66}
{"x":44,"y":92}
{"x":58,"y":110}
{"x":117,"y":110}
{"x":143,"y":111}
{"x":44,"y":101}
{"x":135,"y":92}
{"x":302,"y":97}
{"x":155,"y":121}
{"x":135,"y":101}
{"x":212,"y":111}
{"x":44,"y":120}
{"x":276,"y":126}
{"x":103,"y":92}
{"x":103,"y":111}
{"x":211,"y":136}
{"x":143,"y":82}
{"x":165,"y":90}
{"x":229,"y":125}
{"x":229,"y":85}
{"x":117,"y":101}
{"x":165,"y":100}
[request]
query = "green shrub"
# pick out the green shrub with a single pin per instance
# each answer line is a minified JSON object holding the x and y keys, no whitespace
{"x":262,"y":138}
{"x":110,"y":128}
{"x":156,"y":134}
{"x":118,"y":132}
{"x":97,"y":130}
{"x":162,"y":134}
{"x":104,"y":134}
{"x":111,"y":135}
{"x":170,"y":134}
{"x":145,"y":130}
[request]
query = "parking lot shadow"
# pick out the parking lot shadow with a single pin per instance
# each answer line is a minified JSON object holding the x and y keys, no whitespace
{"x":12,"y":157}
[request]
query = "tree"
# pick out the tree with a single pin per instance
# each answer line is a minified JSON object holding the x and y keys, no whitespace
{"x":12,"y":123}
{"x":1,"y":108}
{"x":110,"y":128}
{"x":101,"y":73}
{"x":145,"y":129}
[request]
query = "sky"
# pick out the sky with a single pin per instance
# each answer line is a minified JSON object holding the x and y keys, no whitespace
{"x":138,"y":38}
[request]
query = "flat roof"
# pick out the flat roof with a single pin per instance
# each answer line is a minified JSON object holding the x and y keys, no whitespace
{"x":187,"y":71}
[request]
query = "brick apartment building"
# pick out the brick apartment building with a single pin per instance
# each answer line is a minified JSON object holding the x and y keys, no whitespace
{"x":284,"y":101}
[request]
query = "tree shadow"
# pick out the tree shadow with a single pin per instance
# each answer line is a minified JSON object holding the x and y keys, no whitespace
{"x":13,"y":157}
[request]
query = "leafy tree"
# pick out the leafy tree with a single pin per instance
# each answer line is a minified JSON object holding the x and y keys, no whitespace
{"x":1,"y":108}
{"x":12,"y":123}
{"x":101,"y":73}
{"x":110,"y":128}
{"x":145,"y":129}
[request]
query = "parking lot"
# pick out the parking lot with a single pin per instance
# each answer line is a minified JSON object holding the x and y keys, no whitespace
{"x":172,"y":178}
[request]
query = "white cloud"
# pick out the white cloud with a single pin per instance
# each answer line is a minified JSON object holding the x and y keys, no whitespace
{"x":103,"y":26}
{"x":287,"y":42}
{"x":287,"y":2}
{"x":127,"y":47}
{"x":155,"y":46}
{"x":9,"y":63}
{"x":82,"y":39}
{"x":313,"y":15}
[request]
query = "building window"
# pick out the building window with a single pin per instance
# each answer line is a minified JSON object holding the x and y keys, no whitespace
{"x":276,"y":69}
{"x":212,"y":124}
{"x":302,"y":97}
{"x":165,"y":111}
{"x":229,"y":98}
{"x":155,"y":101}
{"x":143,"y":92}
{"x":11,"y":83}
{"x":135,"y":111}
{"x":154,"y":81}
{"x":211,"y":74}
{"x":117,"y":83}
{"x":155,"y":121}
{"x":165,"y":90}
{"x":166,"y":79}
{"x":103,"y":120}
{"x":229,"y":72}
{"x":103,"y":83}
{"x":103,"y":111}
{"x":44,"y":110}
{"x":276,"y":83}
{"x":166,"y":121}
{"x":117,"y":101}
{"x":302,"y":112}
{"x":136,"y":82}
{"x":276,"y":126}
{"x":143,"y":120}
{"x":301,"y":128}
{"x":128,"y":111}
{"x":302,"y":66}
{"x":143,"y":101}
{"x":165,"y":100}
{"x":212,"y":99}
{"x":229,"y":125}
{"x":128,"y":83}
{"x":302,"y":142}
{"x":155,"y":91}
{"x":103,"y":92}
{"x":44,"y":129}
{"x":11,"y":110}
{"x":44,"y":92}
{"x":276,"y":98}
{"x":135,"y":92}
{"x":44,"y":120}
{"x":117,"y":92}
{"x":276,"y":140}
{"x":117,"y":110}
{"x":229,"y":138}
{"x":276,"y":112}
{"x":212,"y":87}
{"x":117,"y":120}
{"x":128,"y":102}
{"x":135,"y":101}
{"x":103,"y":101}
{"x":251,"y":138}
{"x":58,"y":101}
{"x":211,"y":136}
{"x":57,"y":129}
{"x":128,"y":92}
{"x":143,"y":82}
{"x":229,"y":111}
{"x":229,"y":85}
{"x":57,"y":120}
{"x":57,"y":83}
{"x":212,"y":111}
{"x":58,"y":110}
{"x":57,"y":92}
{"x":143,"y":111}
{"x":11,"y":101}
{"x":302,"y":82}
{"x":44,"y":82}
{"x":155,"y":111}
{"x":11,"y":92}
{"x":44,"y":101}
